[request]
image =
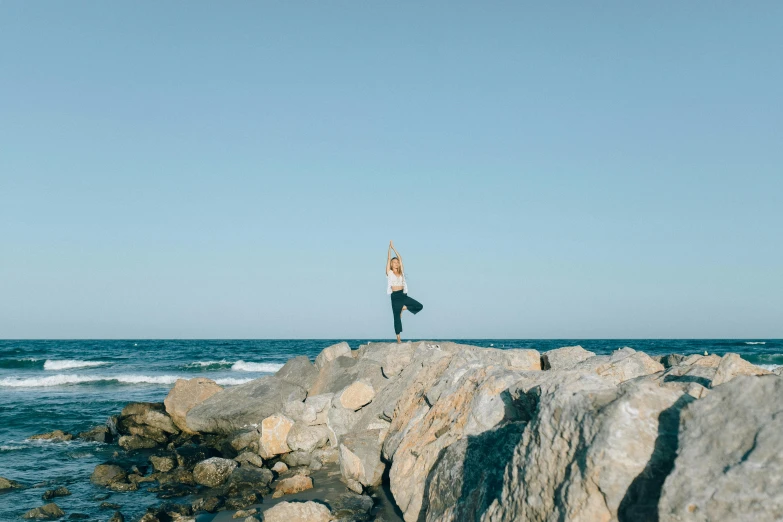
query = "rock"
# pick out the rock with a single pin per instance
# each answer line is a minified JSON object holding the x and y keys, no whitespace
{"x":186,"y":394}
{"x":732,"y":365}
{"x":354,"y":485}
{"x":176,"y":476}
{"x":340,"y":373}
{"x":360,"y":457}
{"x":274,"y":432}
{"x":150,"y":414}
{"x":109,"y":505}
{"x":189,"y":456}
{"x":208,"y":504}
{"x":248,"y":479}
{"x":307,"y":438}
{"x":291,"y":485}
{"x":54,"y":435}
{"x":213,"y":472}
{"x":248,"y":458}
{"x":123,"y":486}
{"x":105,"y":474}
{"x":729,"y":465}
{"x":62,"y":491}
{"x":298,"y":512}
{"x":163,"y":463}
{"x":97,"y":434}
{"x":297,"y":458}
{"x":351,"y":505}
{"x":593,"y":452}
{"x":117,"y":517}
{"x":331,"y":353}
{"x":564,"y":358}
{"x":134,"y":442}
{"x":623,"y":365}
{"x":9,"y":484}
{"x":298,"y":370}
{"x":78,"y":516}
{"x":397,"y":359}
{"x":46,"y":512}
{"x":243,"y":405}
{"x":672,"y":359}
{"x":356,"y":395}
{"x":246,"y":440}
{"x":245,"y":513}
{"x":280,"y":467}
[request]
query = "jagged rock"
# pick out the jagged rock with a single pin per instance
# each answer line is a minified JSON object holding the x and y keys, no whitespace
{"x":246,"y":439}
{"x":186,"y":394}
{"x":623,"y":365}
{"x":672,"y":359}
{"x":564,"y":358}
{"x":208,"y":504}
{"x":123,"y":486}
{"x":97,"y":434}
{"x":248,"y":479}
{"x":274,"y":431}
{"x":298,"y":370}
{"x":291,"y":485}
{"x":331,"y":353}
{"x":49,"y":511}
{"x":350,"y":505}
{"x":105,"y":474}
{"x":245,"y":513}
{"x":248,"y":458}
{"x":280,"y":467}
{"x":117,"y":517}
{"x":163,"y":463}
{"x":9,"y":484}
{"x":62,"y":491}
{"x":176,"y":476}
{"x":709,"y":361}
{"x":340,"y":373}
{"x":54,"y":435}
{"x":397,"y":359}
{"x":593,"y":452}
{"x":729,"y":465}
{"x":189,"y":456}
{"x":360,"y":457}
{"x":339,"y":421}
{"x":297,"y":458}
{"x":213,"y":472}
{"x":732,"y":365}
{"x":356,"y":395}
{"x":134,"y":442}
{"x":298,"y":512}
{"x":243,"y":405}
{"x":307,"y":438}
{"x":151,"y":414}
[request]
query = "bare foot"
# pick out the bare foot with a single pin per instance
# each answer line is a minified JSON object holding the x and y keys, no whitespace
{"x":398,"y":340}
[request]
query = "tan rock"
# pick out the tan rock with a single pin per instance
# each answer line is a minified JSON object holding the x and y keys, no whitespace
{"x":186,"y":394}
{"x":357,"y":395}
{"x":732,"y":365}
{"x":331,"y":353}
{"x":298,"y":512}
{"x":54,"y":435}
{"x":279,"y":467}
{"x":274,"y":432}
{"x":291,"y":485}
{"x":564,"y":358}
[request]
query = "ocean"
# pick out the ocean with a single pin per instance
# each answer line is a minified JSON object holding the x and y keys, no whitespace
{"x":74,"y":385}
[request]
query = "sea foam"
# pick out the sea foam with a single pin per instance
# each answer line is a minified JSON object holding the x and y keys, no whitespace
{"x":69,"y":364}
{"x":242,"y":366}
{"x":65,"y":379}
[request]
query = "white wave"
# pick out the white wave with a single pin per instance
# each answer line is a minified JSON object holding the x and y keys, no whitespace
{"x":242,"y":366}
{"x":69,"y":364}
{"x":64,"y":379}
{"x":770,"y":367}
{"x":755,"y":342}
{"x":204,"y":364}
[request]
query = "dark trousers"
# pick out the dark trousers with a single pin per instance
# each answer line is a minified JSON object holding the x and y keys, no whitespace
{"x":398,"y":300}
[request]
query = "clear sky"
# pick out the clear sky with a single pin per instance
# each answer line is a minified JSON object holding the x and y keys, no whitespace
{"x":237,"y":169}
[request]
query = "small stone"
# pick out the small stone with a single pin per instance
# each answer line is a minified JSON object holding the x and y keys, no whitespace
{"x":354,"y":485}
{"x":298,"y":512}
{"x":279,"y":467}
{"x":213,"y":472}
{"x":62,"y":491}
{"x":123,"y":486}
{"x":249,"y":458}
{"x":163,"y":464}
{"x":46,"y":512}
{"x":135,"y":442}
{"x":292,"y":485}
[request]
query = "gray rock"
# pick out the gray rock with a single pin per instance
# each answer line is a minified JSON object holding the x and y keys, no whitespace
{"x":62,"y":491}
{"x":246,"y":439}
{"x":729,"y":464}
{"x":360,"y":457}
{"x":97,"y":434}
{"x":117,"y":517}
{"x":152,"y":414}
{"x":9,"y":484}
{"x":564,"y":358}
{"x":134,"y":442}
{"x":331,"y":353}
{"x":351,"y":505}
{"x":208,"y":504}
{"x":244,"y":405}
{"x":190,"y":455}
{"x":248,"y":479}
{"x":731,"y":365}
{"x":105,"y":474}
{"x":213,"y":472}
{"x":672,"y":359}
{"x":248,"y":458}
{"x":46,"y":512}
{"x":297,"y":458}
{"x":163,"y":463}
{"x":344,"y":371}
{"x":298,"y":370}
{"x":307,"y":438}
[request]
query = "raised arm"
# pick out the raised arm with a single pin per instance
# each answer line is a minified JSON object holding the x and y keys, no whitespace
{"x":388,"y":259}
{"x":402,"y":267}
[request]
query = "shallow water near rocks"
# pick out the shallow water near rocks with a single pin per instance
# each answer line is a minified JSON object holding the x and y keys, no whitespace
{"x":75,"y":385}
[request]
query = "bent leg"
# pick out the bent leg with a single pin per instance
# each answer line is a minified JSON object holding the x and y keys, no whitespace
{"x":413,"y":305}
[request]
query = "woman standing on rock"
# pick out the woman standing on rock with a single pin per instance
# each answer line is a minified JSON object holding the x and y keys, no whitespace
{"x":397,"y":287}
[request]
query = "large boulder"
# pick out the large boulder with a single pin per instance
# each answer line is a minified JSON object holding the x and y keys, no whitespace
{"x":592,"y":452}
{"x":274,"y":432}
{"x":213,"y":472}
{"x":46,"y":512}
{"x":564,"y":358}
{"x":298,"y":370}
{"x":731,"y":365}
{"x":623,"y":365}
{"x":360,"y":456}
{"x":343,"y":371}
{"x":356,"y":395}
{"x":331,"y":353}
{"x":105,"y":474}
{"x":186,"y":394}
{"x":729,"y":464}
{"x":298,"y":512}
{"x":243,"y":405}
{"x":149,"y":414}
{"x":302,"y":437}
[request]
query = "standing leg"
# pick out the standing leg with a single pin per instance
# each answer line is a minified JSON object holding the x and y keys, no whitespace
{"x":397,"y":305}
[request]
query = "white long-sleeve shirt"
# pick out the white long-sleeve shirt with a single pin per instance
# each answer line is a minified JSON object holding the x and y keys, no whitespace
{"x":393,"y":279}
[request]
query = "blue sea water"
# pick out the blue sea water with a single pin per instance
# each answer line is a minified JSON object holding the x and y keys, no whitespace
{"x":74,"y":385}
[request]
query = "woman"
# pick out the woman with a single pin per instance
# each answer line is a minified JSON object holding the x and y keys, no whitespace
{"x":397,"y":287}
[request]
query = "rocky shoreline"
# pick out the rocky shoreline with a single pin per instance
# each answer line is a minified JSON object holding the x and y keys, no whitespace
{"x":437,"y":431}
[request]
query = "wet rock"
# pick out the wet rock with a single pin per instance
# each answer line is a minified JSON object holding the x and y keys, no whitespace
{"x":78,"y":516}
{"x":134,"y":442}
{"x":213,"y":472}
{"x":9,"y":484}
{"x":298,"y":370}
{"x":243,"y":405}
{"x":54,"y":435}
{"x":291,"y":485}
{"x":123,"y":486}
{"x":352,"y":505}
{"x":176,"y":476}
{"x":246,"y":440}
{"x":248,"y":479}
{"x":208,"y":504}
{"x":248,"y":458}
{"x":46,"y":512}
{"x":243,"y":500}
{"x":729,"y":465}
{"x":298,"y":512}
{"x":109,"y":505}
{"x":105,"y":474}
{"x":62,"y":491}
{"x":101,"y":496}
{"x":356,"y":395}
{"x":146,"y":414}
{"x":189,"y":456}
{"x":163,"y":463}
{"x":297,"y":458}
{"x":245,"y":513}
{"x":117,"y":517}
{"x":331,"y":353}
{"x":564,"y":358}
{"x":274,"y":432}
{"x":732,"y":365}
{"x":97,"y":434}
{"x":186,"y":394}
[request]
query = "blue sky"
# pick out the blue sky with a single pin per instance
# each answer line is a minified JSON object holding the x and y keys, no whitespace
{"x":557,"y":169}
